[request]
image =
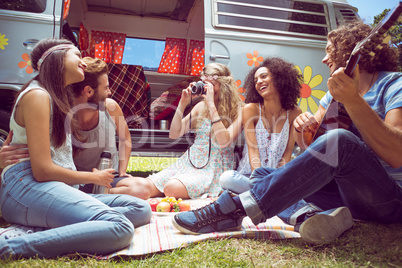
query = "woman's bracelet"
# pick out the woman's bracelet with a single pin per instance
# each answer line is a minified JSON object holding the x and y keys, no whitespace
{"x":216,"y":121}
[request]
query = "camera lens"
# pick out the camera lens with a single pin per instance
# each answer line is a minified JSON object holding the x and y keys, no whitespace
{"x":198,"y":88}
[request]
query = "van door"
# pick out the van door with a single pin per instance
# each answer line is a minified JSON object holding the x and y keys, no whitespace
{"x":241,"y":33}
{"x":22,"y":25}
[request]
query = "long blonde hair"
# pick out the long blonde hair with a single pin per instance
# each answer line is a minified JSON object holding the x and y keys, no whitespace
{"x":228,"y":101}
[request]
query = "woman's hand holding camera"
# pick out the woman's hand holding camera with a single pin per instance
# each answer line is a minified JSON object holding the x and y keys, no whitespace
{"x":209,"y":95}
{"x":186,"y":95}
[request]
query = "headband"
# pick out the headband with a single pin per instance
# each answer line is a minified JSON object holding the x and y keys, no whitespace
{"x":51,"y":50}
{"x":209,"y":77}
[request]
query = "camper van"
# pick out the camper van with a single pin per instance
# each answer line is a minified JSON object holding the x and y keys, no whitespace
{"x":155,"y":48}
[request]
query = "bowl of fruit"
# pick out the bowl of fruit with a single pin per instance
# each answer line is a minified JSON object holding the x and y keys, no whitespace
{"x":168,"y":206}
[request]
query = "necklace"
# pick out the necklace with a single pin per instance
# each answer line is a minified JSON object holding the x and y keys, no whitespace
{"x":371,"y":83}
{"x":272,"y":117}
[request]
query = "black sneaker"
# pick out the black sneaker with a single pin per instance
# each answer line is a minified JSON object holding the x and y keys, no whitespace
{"x":326,"y":226}
{"x":221,"y":215}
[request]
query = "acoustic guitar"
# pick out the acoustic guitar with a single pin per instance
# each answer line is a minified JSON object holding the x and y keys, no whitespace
{"x":336,"y":115}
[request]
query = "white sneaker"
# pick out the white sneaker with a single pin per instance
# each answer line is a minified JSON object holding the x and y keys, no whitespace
{"x":16,"y":230}
{"x":326,"y":226}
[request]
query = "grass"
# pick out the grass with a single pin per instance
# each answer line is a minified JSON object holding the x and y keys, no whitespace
{"x":148,"y":164}
{"x":365,"y":245}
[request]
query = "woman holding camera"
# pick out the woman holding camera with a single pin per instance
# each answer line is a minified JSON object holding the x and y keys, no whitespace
{"x":217,"y":122}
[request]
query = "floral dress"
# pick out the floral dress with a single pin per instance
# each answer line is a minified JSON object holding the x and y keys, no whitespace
{"x":202,"y":182}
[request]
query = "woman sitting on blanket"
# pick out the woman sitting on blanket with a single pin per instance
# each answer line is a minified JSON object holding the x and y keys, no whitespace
{"x":217,"y":121}
{"x":272,"y":92}
{"x":39,"y":191}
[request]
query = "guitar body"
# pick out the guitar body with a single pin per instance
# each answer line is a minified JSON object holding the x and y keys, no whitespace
{"x":336,"y":115}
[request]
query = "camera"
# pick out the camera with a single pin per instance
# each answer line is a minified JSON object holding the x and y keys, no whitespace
{"x":198,"y":88}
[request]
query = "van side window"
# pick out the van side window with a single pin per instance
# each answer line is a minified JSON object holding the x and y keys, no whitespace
{"x":274,"y":16}
{"x":35,"y":6}
{"x":145,"y":52}
{"x":344,"y":15}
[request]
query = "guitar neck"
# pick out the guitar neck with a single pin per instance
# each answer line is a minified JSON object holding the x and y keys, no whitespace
{"x":372,"y":40}
{"x":352,"y":63}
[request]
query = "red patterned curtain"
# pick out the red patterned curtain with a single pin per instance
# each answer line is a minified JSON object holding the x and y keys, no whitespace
{"x":103,"y":45}
{"x":66,"y":9}
{"x":84,"y":41}
{"x":174,"y":57}
{"x":195,"y":57}
{"x":108,"y":46}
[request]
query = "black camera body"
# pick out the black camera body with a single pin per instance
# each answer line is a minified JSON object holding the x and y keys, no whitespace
{"x":198,"y":88}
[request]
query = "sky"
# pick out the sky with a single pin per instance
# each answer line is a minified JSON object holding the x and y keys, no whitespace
{"x":370,"y":8}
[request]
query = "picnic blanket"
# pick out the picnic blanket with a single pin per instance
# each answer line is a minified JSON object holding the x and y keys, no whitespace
{"x":160,"y":234}
{"x":130,"y":89}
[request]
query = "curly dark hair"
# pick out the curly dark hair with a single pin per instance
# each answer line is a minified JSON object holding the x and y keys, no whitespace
{"x":345,"y":38}
{"x":287,"y":82}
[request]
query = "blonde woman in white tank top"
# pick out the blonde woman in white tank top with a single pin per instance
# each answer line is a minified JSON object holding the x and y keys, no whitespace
{"x":272,"y":92}
{"x":37,"y":192}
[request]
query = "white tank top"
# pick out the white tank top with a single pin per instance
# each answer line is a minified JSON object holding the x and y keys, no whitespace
{"x":271,"y":146}
{"x":62,"y":156}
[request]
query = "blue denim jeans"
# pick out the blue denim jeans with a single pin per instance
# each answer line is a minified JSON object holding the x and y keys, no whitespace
{"x":238,"y":183}
{"x":235,"y":181}
{"x":338,"y":169}
{"x":78,"y":222}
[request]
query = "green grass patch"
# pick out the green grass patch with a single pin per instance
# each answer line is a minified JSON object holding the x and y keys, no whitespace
{"x":364,"y":245}
{"x":148,"y":164}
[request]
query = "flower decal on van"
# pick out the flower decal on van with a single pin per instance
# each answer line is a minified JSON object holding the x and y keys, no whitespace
{"x":306,"y":100}
{"x":26,"y":63}
{"x":241,"y":90}
{"x":3,"y":41}
{"x":254,"y":59}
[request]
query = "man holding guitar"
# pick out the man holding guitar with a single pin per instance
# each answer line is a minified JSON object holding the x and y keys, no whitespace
{"x":343,"y":174}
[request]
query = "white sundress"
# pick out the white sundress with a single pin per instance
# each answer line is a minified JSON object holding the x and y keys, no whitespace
{"x":271,"y":146}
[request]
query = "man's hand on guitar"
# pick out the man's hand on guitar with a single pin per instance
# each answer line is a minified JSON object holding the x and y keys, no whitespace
{"x":306,"y":122}
{"x":305,"y":125}
{"x":343,"y":88}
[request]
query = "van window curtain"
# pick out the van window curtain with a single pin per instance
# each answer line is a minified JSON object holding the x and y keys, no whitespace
{"x":107,"y":46}
{"x":84,"y":41}
{"x":195,"y":57}
{"x":174,"y":57}
{"x":103,"y":45}
{"x":66,"y":9}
